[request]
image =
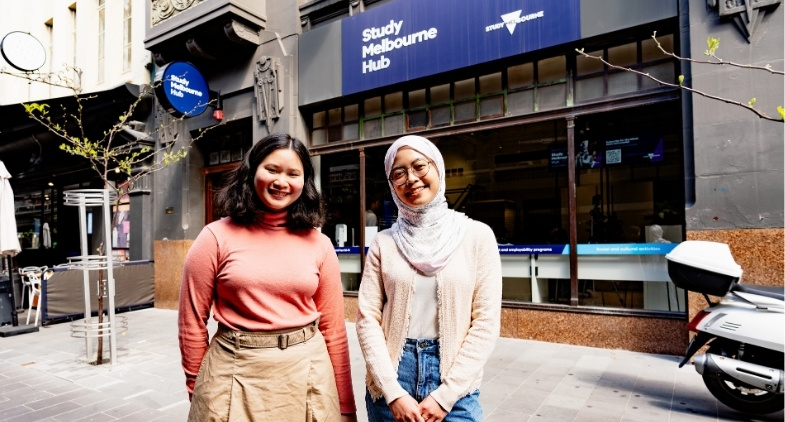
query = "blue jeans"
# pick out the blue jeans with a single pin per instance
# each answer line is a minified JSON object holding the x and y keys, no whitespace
{"x":418,"y":374}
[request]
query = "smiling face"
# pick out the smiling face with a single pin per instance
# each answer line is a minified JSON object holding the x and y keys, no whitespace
{"x":279,"y":179}
{"x":416,"y":191}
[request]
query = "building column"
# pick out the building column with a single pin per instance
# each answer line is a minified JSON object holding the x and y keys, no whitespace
{"x":141,"y":242}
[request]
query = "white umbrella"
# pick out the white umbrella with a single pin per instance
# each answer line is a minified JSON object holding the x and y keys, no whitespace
{"x":9,"y":242}
{"x":9,"y":246}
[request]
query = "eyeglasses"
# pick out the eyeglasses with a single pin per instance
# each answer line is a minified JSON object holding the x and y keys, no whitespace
{"x":399,"y":175}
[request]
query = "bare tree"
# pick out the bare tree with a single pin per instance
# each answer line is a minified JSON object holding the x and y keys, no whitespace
{"x":113,"y":155}
{"x":713,"y":60}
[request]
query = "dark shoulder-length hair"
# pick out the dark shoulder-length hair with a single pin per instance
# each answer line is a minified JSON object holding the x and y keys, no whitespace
{"x":238,"y":196}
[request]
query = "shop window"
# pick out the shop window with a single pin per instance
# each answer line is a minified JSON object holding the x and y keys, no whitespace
{"x":334,"y":133}
{"x":351,"y":131}
{"x":440,"y":116}
{"x":550,"y":97}
{"x":417,"y":120}
{"x":351,"y":126}
{"x":623,"y":55}
{"x":393,"y":102}
{"x":490,"y":83}
{"x":335,"y":124}
{"x":372,"y":128}
{"x":334,"y":116}
{"x":589,"y":88}
{"x":224,"y":149}
{"x":318,"y":137}
{"x":417,"y":98}
{"x":340,"y":187}
{"x":552,"y":69}
{"x":373,"y":106}
{"x":350,"y":113}
{"x":520,"y":102}
{"x":650,"y":51}
{"x":465,"y":111}
{"x":663,"y":71}
{"x":509,"y":179}
{"x":319,"y":131}
{"x":319,"y":119}
{"x":593,"y":80}
{"x":393,"y":125}
{"x":440,"y":94}
{"x":491,"y":107}
{"x":464,"y":89}
{"x":334,"y":130}
{"x":587,"y":66}
{"x":630,"y":173}
{"x":520,"y":76}
{"x":622,"y":83}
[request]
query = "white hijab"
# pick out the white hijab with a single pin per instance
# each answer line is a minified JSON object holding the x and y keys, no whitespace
{"x":426,"y":235}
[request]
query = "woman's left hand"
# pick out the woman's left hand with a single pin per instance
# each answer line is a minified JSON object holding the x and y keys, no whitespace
{"x":431,"y":411}
{"x":348,"y":417}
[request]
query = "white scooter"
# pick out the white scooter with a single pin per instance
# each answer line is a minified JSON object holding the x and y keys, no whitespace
{"x":743,"y":366}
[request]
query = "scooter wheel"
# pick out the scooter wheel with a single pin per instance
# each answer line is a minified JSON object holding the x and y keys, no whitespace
{"x":746,"y":400}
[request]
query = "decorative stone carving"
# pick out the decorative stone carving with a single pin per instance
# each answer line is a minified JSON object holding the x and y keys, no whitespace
{"x":268,"y":90}
{"x":747,"y":14}
{"x":182,"y":4}
{"x":241,"y":34}
{"x":162,"y":10}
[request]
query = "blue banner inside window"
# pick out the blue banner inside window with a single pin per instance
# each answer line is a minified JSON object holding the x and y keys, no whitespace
{"x":583,"y":249}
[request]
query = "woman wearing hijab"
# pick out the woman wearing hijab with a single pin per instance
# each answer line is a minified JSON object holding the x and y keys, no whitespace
{"x":430,"y":299}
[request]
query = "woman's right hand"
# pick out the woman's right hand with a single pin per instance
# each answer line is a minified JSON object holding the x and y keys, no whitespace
{"x":406,"y":409}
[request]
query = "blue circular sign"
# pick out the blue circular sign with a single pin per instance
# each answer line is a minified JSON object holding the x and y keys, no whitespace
{"x":181,"y":89}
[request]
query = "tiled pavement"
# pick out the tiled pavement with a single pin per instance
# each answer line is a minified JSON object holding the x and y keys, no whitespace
{"x":44,"y":377}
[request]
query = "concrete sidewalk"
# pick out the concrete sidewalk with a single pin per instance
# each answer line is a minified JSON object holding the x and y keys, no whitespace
{"x":44,"y":377}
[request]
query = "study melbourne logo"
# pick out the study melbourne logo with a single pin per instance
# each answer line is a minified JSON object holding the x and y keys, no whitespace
{"x":510,"y":20}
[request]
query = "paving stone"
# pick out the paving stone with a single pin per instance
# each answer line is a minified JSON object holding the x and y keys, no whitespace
{"x":45,"y":412}
{"x":87,"y":411}
{"x":46,"y":377}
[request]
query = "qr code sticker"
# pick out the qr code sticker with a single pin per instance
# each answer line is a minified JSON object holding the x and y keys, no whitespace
{"x":613,"y":156}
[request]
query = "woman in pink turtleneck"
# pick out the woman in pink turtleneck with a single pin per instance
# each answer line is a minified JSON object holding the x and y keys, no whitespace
{"x":273,"y":284}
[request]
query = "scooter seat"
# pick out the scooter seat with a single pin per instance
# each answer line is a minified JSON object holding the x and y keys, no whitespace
{"x":774,"y":292}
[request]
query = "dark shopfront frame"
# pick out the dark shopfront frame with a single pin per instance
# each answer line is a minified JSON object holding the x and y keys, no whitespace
{"x":568,"y":114}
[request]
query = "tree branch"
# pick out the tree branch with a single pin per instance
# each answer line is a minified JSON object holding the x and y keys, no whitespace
{"x":747,"y":106}
{"x":714,"y":43}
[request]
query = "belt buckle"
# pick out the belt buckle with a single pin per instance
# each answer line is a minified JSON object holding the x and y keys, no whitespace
{"x":283,"y":341}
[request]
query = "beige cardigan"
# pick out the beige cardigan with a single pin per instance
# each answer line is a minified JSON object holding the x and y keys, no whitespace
{"x":469,"y":290}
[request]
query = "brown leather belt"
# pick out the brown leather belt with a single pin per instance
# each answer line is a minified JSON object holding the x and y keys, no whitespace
{"x":267,"y":339}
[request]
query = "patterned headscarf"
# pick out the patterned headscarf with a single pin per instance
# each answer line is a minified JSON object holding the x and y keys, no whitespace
{"x":426,"y":235}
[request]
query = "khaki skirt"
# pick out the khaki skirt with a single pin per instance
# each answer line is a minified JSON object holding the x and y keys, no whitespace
{"x":258,"y":381}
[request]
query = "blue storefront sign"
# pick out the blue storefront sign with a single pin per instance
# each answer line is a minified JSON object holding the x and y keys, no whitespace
{"x":626,"y":248}
{"x":590,"y":249}
{"x":181,"y":89}
{"x":592,"y":154}
{"x":635,"y":149}
{"x":348,"y":250}
{"x":409,"y":39}
{"x":534,"y":249}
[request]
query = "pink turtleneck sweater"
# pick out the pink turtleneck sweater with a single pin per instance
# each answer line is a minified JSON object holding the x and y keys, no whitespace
{"x":259,"y":278}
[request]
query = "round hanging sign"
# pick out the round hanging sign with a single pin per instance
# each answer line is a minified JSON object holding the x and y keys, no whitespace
{"x":181,"y":89}
{"x":23,"y":51}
